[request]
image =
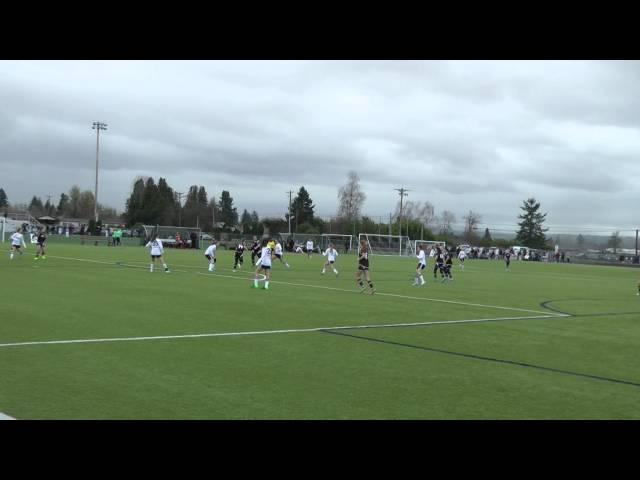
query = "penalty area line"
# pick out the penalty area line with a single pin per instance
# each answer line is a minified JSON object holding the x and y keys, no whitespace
{"x":271,"y":332}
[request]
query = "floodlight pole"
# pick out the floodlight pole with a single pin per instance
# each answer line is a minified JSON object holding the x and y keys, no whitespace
{"x":402,"y":192}
{"x":97,"y":126}
{"x":179,"y":194}
{"x":289,"y":216}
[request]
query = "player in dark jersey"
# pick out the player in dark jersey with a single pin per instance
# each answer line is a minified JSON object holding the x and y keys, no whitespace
{"x":256,"y":249}
{"x":507,"y":258}
{"x":448,"y":263}
{"x":42,"y":238}
{"x":439,"y":263}
{"x":237,"y":256}
{"x":363,"y":267}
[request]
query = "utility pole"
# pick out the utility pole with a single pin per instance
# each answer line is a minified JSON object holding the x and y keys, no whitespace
{"x":213,"y":213}
{"x":290,"y":192}
{"x":403,"y":193}
{"x":97,"y":126}
{"x":179,"y":194}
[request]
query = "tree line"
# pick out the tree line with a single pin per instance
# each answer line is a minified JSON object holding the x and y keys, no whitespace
{"x":158,"y":203}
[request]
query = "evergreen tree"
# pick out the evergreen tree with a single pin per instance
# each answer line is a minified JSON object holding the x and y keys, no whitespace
{"x":74,"y":202}
{"x":190,"y":209}
{"x":580,"y":240}
{"x":35,"y":207}
{"x":151,"y":203}
{"x":487,"y":235}
{"x":133,"y":209}
{"x":302,"y":207}
{"x":169,"y":206}
{"x":256,"y":225}
{"x":63,"y":205}
{"x":4,"y":201}
{"x":531,"y":233}
{"x":245,"y":221}
{"x":228,"y":213}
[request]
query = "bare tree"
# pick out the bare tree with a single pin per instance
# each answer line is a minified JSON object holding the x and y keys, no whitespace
{"x":615,"y":241}
{"x":350,"y":198}
{"x":445,"y":220}
{"x":471,"y":221}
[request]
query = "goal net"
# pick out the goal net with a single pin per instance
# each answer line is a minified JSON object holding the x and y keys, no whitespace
{"x":428,"y":245}
{"x":300,"y":239}
{"x":340,"y":242}
{"x":178,"y":237}
{"x":388,"y":244}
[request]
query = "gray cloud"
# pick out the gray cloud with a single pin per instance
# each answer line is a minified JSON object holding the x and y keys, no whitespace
{"x":480,"y":135}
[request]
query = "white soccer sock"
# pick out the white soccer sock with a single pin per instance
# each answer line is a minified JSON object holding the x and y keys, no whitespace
{"x":151,"y":267}
{"x":11,"y":256}
{"x":335,"y":271}
{"x":165,"y":266}
{"x":266,"y":284}
{"x":323,"y":270}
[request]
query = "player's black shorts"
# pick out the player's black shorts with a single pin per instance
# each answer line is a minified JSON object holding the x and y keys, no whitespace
{"x":279,"y":255}
{"x":331,"y":261}
{"x":309,"y":250}
{"x":363,"y":267}
{"x":17,"y":247}
{"x":155,"y":256}
{"x":209,"y":257}
{"x":265,"y":267}
{"x":421,"y":266}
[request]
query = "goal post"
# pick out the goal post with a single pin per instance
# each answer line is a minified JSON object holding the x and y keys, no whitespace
{"x":428,"y":245}
{"x":339,"y":241}
{"x":399,"y":245}
{"x":172,"y":236}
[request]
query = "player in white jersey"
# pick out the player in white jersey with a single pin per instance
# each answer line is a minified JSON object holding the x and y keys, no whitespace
{"x":422,"y":264}
{"x":155,"y":244}
{"x":278,"y":253}
{"x":309,"y":248}
{"x":210,"y":253}
{"x":264,"y":265}
{"x":461,"y":257}
{"x":331,"y":253}
{"x":17,"y":241}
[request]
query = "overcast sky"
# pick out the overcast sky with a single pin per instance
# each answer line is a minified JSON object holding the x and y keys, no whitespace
{"x":480,"y":135}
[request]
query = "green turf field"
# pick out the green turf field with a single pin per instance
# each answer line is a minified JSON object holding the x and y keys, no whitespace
{"x":90,"y":333}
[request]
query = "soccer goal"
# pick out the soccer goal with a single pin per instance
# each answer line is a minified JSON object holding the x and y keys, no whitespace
{"x":178,"y":237}
{"x":340,"y":242}
{"x":428,"y":245}
{"x":388,"y":244}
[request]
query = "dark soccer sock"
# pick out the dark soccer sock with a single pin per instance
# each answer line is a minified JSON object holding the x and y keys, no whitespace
{"x":370,"y":284}
{"x":361,"y":284}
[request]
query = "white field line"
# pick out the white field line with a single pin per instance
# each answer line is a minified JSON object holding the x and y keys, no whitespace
{"x":5,"y":417}
{"x":395,"y":295}
{"x":427,"y":299}
{"x":269,"y":332}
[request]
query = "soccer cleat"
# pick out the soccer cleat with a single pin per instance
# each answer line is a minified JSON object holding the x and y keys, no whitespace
{"x":253,"y":286}
{"x":423,"y":282}
{"x":373,"y":290}
{"x":265,"y":288}
{"x":362,"y":289}
{"x":35,"y":258}
{"x":43,"y":257}
{"x":322,"y":273}
{"x":167,"y":271}
{"x":234,"y":269}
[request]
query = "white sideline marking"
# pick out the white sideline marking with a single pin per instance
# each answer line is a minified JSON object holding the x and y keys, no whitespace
{"x":396,"y":295}
{"x":215,"y":274}
{"x":5,"y":417}
{"x":267,"y":332}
